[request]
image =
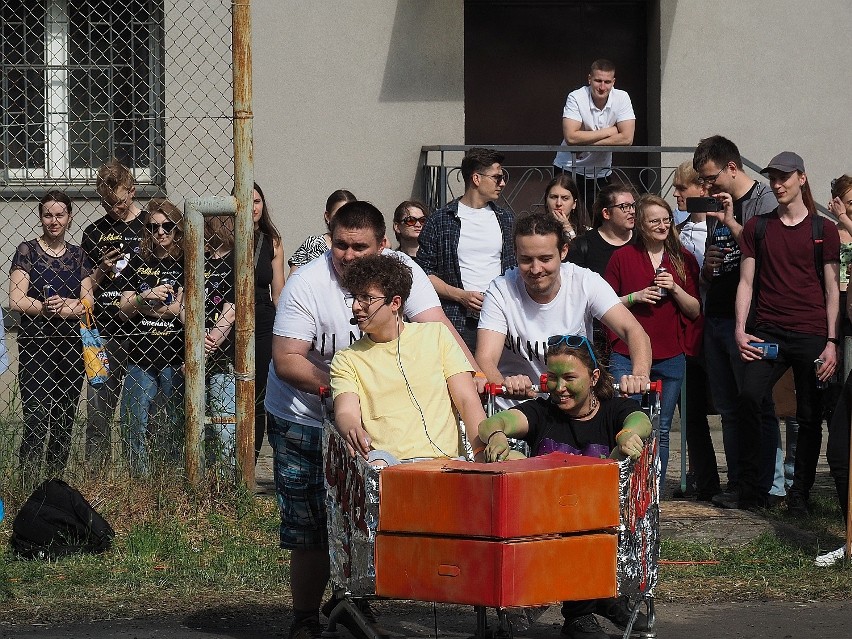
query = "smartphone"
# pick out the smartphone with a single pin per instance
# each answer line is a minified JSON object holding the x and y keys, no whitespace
{"x":769,"y":349}
{"x":703,"y":205}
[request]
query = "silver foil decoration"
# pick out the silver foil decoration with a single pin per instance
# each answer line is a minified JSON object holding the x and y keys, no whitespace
{"x":352,"y":504}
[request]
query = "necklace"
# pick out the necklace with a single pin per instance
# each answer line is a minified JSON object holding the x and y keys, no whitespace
{"x":53,"y":252}
{"x":593,"y":406}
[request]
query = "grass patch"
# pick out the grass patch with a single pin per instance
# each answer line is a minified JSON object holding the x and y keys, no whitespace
{"x":175,"y":549}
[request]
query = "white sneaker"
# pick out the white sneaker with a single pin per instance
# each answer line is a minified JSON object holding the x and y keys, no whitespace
{"x":831,"y":558}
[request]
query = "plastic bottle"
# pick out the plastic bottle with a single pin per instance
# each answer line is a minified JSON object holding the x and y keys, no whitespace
{"x":723,"y":239}
{"x":121,"y":264}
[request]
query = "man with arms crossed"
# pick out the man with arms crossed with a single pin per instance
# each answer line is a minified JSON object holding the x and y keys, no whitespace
{"x":312,"y":322}
{"x":595,"y":115}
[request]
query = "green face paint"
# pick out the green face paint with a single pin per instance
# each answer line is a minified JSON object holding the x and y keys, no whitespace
{"x":568,"y":373}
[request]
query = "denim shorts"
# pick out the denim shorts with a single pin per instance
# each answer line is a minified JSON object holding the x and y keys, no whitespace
{"x":299,"y":483}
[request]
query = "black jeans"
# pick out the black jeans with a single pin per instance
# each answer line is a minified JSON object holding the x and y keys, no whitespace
{"x":49,"y":376}
{"x":702,"y":456}
{"x":796,"y":350}
{"x":837,"y":451}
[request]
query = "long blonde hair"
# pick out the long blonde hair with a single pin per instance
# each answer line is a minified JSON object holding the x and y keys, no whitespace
{"x":173,"y":214}
{"x":671,"y":245}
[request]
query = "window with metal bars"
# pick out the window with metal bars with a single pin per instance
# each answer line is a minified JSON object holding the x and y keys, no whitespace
{"x":82,"y":82}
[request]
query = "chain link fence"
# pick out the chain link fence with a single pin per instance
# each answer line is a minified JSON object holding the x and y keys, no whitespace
{"x":147,"y":82}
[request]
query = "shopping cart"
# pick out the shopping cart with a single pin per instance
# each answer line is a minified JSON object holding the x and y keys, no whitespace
{"x":352,"y":502}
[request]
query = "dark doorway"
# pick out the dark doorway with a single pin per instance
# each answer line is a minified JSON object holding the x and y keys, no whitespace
{"x":523,"y":57}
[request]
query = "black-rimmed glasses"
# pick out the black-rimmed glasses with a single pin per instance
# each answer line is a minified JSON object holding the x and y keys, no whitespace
{"x":710,"y":179}
{"x":362,"y":298}
{"x":499,"y":178}
{"x":624,"y":206}
{"x":573,"y":341}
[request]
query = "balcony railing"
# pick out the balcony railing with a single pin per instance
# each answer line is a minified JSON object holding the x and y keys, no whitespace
{"x":530,"y":168}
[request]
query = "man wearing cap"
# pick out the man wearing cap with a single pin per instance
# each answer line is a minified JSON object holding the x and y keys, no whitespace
{"x":719,"y":166}
{"x":788,"y":294}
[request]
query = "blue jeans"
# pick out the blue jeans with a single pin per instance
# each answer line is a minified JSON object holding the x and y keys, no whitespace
{"x":140,"y":389}
{"x":671,"y":372}
{"x":725,"y":373}
{"x":222,"y":406}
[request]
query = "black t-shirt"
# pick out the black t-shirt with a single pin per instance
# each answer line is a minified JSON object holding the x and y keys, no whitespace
{"x":155,"y":341}
{"x":551,"y":428}
{"x":99,"y":238}
{"x":264,"y":310}
{"x":219,"y":289}
{"x":596,"y":253}
{"x":723,"y":287}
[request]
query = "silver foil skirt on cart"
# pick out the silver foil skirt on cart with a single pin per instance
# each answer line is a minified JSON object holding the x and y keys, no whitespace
{"x":352,"y":503}
{"x":639,"y":530}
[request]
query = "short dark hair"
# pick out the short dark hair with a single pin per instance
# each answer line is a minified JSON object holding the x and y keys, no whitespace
{"x":602,"y":64}
{"x":606,"y":198}
{"x":540,"y":223}
{"x":387,"y":273}
{"x":55,"y":196}
{"x":718,"y":150}
{"x":477,"y":159}
{"x":359,"y":215}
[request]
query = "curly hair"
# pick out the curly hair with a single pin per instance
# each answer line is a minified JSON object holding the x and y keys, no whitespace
{"x":386,"y":273}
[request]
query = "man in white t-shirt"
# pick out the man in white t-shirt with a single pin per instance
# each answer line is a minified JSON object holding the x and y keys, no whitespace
{"x":544,"y":297}
{"x":312,"y":322}
{"x":595,"y":115}
{"x":468,"y":243}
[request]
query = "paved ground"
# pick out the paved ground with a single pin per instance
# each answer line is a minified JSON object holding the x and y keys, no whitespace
{"x":679,"y":519}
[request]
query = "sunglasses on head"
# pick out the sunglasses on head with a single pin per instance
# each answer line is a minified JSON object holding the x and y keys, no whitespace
{"x":410,"y":220}
{"x":167,"y":227}
{"x":574,"y":341}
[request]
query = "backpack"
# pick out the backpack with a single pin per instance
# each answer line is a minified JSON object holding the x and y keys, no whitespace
{"x":55,"y":521}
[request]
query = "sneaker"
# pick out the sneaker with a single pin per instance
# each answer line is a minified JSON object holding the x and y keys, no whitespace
{"x":618,"y":611}
{"x":797,"y":505}
{"x":831,"y":558}
{"x":307,"y":628}
{"x":585,"y":627}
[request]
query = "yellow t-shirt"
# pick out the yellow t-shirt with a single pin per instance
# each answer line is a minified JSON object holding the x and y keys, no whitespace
{"x":429,"y":356}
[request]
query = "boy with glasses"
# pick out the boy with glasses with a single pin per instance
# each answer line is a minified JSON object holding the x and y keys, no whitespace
{"x":110,"y":242}
{"x":468,"y":243}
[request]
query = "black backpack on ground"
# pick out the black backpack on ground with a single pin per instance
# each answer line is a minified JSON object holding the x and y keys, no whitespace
{"x":55,"y":521}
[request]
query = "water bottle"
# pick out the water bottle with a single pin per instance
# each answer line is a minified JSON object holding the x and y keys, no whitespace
{"x":661,"y":269}
{"x":821,"y":385}
{"x":121,"y":264}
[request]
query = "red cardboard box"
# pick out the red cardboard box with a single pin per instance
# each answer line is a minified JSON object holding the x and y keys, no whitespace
{"x":479,"y":572}
{"x":545,"y":495}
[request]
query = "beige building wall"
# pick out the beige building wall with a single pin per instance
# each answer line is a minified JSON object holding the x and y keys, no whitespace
{"x":345,"y":94}
{"x":771,"y":75}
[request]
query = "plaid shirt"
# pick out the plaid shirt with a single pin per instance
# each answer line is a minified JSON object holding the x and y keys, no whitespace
{"x":438,"y":252}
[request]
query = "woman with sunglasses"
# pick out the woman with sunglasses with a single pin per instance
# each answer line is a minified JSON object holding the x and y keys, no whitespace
{"x":155,"y":353}
{"x":562,"y":200}
{"x":657,"y":279}
{"x":581,"y":416}
{"x":49,"y":280}
{"x":408,"y":220}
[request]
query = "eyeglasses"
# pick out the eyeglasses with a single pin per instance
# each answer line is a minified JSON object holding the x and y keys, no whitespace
{"x":573,"y":341}
{"x":663,"y":221}
{"x":624,"y":206}
{"x":410,"y":220}
{"x":362,"y":298}
{"x":711,"y":179}
{"x":167,"y":227}
{"x":499,"y":178}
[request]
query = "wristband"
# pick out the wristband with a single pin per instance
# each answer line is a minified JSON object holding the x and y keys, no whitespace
{"x":139,"y":300}
{"x":630,"y":299}
{"x":480,"y":375}
{"x":476,"y":451}
{"x":833,"y":340}
{"x":488,"y":441}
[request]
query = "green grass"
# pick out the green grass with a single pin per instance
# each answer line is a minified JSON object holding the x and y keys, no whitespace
{"x":174,"y":549}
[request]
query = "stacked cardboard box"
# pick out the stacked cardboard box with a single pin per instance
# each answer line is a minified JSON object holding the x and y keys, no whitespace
{"x":518,"y":533}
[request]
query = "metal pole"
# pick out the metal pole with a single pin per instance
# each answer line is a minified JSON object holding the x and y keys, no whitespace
{"x":195,"y":395}
{"x":244,"y":364}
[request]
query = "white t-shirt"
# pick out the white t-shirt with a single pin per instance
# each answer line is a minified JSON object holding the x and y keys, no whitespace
{"x":311,"y":308}
{"x":693,"y":236}
{"x":508,"y":309}
{"x":480,"y":247}
{"x":579,"y":106}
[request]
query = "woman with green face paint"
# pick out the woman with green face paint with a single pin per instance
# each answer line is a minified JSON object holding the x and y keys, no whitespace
{"x":582,"y":417}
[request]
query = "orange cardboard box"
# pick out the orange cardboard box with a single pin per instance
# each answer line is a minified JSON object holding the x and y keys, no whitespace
{"x":545,"y":495}
{"x":480,"y":572}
